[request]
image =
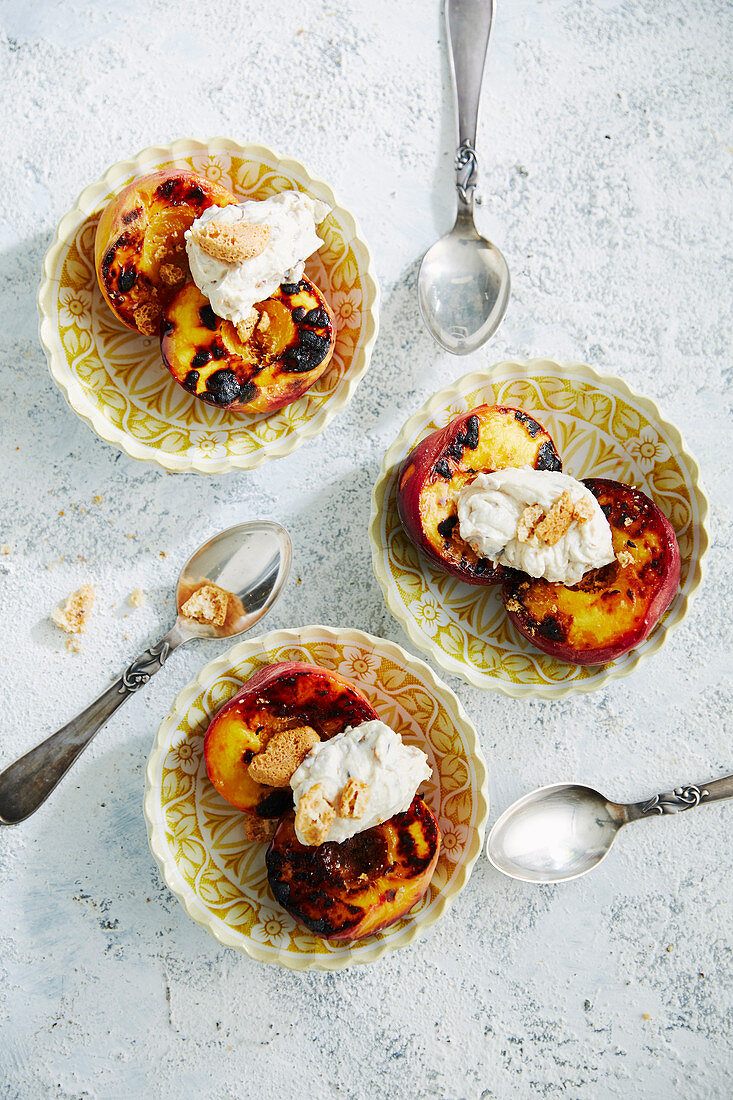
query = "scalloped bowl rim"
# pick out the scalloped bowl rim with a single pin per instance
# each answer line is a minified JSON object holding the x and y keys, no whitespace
{"x":365,"y":952}
{"x":405,"y":441}
{"x":86,"y":203}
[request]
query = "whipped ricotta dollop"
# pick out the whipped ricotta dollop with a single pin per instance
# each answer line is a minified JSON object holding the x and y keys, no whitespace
{"x":233,"y":288}
{"x":491,"y":507}
{"x":373,"y":753}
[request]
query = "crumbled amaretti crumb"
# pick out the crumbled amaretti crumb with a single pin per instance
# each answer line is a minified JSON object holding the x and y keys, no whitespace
{"x":314,"y":816}
{"x":531,"y":515}
{"x":207,"y":605}
{"x":624,"y":558}
{"x":147,"y":317}
{"x":259,"y":828}
{"x":354,"y":799}
{"x":536,"y":527}
{"x":552,"y":528}
{"x":232,"y":242}
{"x":136,"y":598}
{"x":284,"y":752}
{"x":246,"y":327}
{"x":171,"y":274}
{"x":74,"y":615}
{"x":582,"y":510}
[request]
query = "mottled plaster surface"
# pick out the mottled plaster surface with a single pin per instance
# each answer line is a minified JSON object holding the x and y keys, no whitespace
{"x":605,"y":152}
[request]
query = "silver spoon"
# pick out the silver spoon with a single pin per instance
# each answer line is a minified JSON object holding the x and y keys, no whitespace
{"x":560,"y":832}
{"x":251,"y":562}
{"x":463,"y":285}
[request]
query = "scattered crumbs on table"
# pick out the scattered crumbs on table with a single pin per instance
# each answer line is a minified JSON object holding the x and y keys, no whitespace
{"x":74,"y":615}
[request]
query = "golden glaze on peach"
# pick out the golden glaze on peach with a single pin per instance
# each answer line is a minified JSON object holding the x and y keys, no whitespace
{"x":350,"y":890}
{"x":280,"y":696}
{"x":613,"y":608}
{"x":288,"y":350}
{"x":488,"y":438}
{"x":140,"y":232}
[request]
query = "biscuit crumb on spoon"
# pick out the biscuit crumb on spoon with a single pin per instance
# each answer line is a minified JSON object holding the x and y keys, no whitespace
{"x":208,"y":605}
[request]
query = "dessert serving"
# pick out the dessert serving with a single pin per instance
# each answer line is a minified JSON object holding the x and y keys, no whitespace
{"x":302,"y":752}
{"x":588,"y":568}
{"x":595,"y":606}
{"x":256,"y":394}
{"x":214,"y":856}
{"x":221,"y":282}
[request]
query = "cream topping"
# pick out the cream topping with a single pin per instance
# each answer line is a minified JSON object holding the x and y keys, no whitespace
{"x":233,"y":288}
{"x":373,"y":754}
{"x":493,"y":519}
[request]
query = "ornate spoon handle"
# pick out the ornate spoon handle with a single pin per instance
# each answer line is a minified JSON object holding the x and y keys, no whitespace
{"x":681,"y":798}
{"x":28,"y":782}
{"x":468,"y":25}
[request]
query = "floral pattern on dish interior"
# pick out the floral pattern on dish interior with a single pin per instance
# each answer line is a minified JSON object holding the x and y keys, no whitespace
{"x":600,"y":429}
{"x":221,"y":877}
{"x":122,"y":377}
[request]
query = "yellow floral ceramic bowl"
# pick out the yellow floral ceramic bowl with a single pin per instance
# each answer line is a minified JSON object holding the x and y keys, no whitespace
{"x":601,"y":429}
{"x":115,"y":379}
{"x":197,"y":838}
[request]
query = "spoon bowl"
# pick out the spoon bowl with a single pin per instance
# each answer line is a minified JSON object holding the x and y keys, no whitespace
{"x":554,"y":834}
{"x":251,"y":562}
{"x":463,"y":288}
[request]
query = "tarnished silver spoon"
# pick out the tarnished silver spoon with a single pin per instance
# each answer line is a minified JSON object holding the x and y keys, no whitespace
{"x":251,"y":562}
{"x":463,"y":285}
{"x":561,"y":832}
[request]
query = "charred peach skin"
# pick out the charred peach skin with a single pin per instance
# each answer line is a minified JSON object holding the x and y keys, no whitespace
{"x":613,"y":608}
{"x":289,"y":348}
{"x":347,"y":891}
{"x":279,"y":696}
{"x":489,"y":438}
{"x":139,"y":250}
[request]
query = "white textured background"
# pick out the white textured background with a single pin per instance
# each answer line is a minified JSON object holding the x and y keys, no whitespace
{"x":606,"y":180}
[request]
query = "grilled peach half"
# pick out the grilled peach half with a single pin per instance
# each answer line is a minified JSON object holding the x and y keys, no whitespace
{"x":278,"y":697}
{"x":613,"y":608}
{"x":288,"y":349}
{"x":349,"y":890}
{"x":139,"y":249}
{"x":489,"y":438}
